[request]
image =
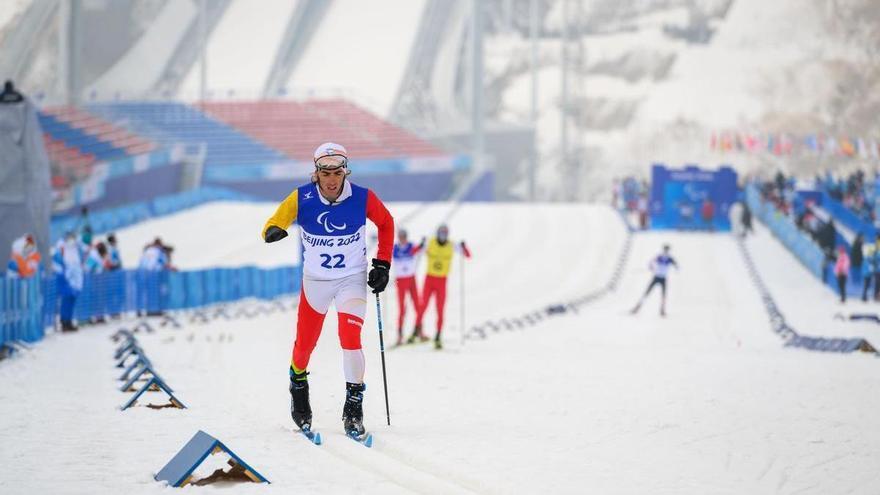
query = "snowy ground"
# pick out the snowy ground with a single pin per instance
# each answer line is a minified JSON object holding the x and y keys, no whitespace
{"x":704,"y":401}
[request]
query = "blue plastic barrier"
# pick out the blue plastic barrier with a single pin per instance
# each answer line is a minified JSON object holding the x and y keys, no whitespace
{"x":804,"y":249}
{"x":21,"y":304}
{"x":29,"y":306}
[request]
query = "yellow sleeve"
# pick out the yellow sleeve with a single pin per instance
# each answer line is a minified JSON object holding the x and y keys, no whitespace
{"x":285,"y":214}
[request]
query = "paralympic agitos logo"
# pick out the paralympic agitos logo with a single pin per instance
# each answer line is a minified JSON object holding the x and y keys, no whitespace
{"x":329,"y":226}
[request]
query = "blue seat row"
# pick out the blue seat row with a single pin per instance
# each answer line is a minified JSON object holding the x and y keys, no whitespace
{"x":169,"y":123}
{"x":77,"y":138}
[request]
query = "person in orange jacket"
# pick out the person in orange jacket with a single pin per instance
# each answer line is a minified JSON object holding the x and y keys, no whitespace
{"x":25,"y":259}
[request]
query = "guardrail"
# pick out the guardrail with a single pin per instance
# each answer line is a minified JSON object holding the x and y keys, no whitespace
{"x":804,"y":249}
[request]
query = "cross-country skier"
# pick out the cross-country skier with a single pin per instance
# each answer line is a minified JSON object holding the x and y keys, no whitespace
{"x":404,"y":256}
{"x":660,"y":266}
{"x":332,"y":214}
{"x":439,"y":252}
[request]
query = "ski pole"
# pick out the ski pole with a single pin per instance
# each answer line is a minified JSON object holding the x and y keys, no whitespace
{"x":382,"y":351}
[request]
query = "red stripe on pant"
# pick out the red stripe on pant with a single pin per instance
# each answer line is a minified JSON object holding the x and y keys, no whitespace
{"x":308,"y":329}
{"x":435,"y":286}
{"x":406,"y":285}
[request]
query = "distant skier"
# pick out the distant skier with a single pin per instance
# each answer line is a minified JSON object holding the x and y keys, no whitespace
{"x":404,"y":257}
{"x":746,"y":220}
{"x":660,"y":266}
{"x":332,"y":214}
{"x":440,"y":251}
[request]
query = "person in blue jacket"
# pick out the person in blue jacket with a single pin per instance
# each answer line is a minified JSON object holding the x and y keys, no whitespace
{"x":68,"y":267}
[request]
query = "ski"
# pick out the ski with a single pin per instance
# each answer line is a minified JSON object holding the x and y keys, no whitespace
{"x":366,"y":439}
{"x":313,"y":436}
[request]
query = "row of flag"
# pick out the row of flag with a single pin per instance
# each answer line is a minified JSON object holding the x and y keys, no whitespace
{"x":787,"y":144}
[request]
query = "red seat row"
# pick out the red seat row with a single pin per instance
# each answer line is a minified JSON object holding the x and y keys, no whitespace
{"x":295,"y":128}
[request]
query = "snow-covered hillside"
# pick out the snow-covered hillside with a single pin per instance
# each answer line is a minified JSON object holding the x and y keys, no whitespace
{"x":361,"y":47}
{"x":706,"y":400}
{"x":241,"y":49}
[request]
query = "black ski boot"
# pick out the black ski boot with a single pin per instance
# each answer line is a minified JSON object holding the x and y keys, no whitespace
{"x":300,"y":409}
{"x":353,"y":411}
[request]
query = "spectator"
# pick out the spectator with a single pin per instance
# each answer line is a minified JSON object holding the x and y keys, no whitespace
{"x":96,"y":264}
{"x":877,"y":268}
{"x":115,"y":278}
{"x":84,"y":226}
{"x":24,"y":262}
{"x":686,"y":212}
{"x":869,"y":268}
{"x":97,"y":260}
{"x":168,"y":250}
{"x":841,"y":270}
{"x":827,"y":238}
{"x":151,"y":271}
{"x":114,"y":261}
{"x":67,"y":265}
{"x":707,"y":213}
{"x":643,"y":211}
{"x":154,"y":257}
{"x":856,"y":257}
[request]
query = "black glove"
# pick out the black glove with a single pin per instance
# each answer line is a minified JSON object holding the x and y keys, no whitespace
{"x":274,"y":233}
{"x":422,"y":244}
{"x":378,"y":278}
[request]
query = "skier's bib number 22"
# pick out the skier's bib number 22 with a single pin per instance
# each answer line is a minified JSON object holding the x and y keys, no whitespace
{"x":337,"y":259}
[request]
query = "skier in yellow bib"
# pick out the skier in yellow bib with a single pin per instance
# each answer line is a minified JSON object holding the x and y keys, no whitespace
{"x":439,"y":254}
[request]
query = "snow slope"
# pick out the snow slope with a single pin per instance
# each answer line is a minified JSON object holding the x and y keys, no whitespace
{"x":361,"y":47}
{"x":704,"y":401}
{"x":241,"y":48}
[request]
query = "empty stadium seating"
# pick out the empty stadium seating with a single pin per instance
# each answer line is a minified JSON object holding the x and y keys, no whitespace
{"x":296,"y":128}
{"x":75,"y":139}
{"x":170,"y":123}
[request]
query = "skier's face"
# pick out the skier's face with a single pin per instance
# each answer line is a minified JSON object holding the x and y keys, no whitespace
{"x":330,"y":182}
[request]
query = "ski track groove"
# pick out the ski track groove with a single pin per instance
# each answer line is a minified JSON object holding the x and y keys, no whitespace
{"x":396,"y":474}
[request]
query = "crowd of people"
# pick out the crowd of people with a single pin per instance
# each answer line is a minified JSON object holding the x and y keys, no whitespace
{"x":858,"y":263}
{"x":80,"y":254}
{"x":856,"y":192}
{"x":630,"y":195}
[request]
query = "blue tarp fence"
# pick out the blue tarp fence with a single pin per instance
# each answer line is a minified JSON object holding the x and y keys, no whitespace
{"x":29,"y":306}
